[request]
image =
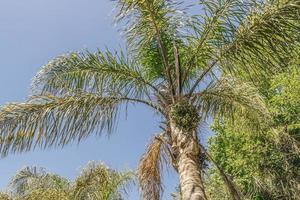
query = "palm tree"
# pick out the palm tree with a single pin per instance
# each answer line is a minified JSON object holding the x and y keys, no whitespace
{"x":4,"y":196}
{"x":35,"y":183}
{"x":182,"y":66}
{"x":99,"y":182}
{"x":96,"y":182}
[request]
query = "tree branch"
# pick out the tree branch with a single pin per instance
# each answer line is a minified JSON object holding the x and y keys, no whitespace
{"x":235,"y":194}
{"x":201,"y":77}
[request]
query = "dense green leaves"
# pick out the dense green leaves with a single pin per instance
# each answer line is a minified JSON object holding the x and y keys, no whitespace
{"x":285,"y":98}
{"x":32,"y":183}
{"x":264,"y":163}
{"x":186,"y":117}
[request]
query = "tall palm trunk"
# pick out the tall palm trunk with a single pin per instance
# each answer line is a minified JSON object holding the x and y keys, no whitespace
{"x":188,"y":153}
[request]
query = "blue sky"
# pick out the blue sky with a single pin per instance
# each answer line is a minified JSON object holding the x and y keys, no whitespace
{"x":34,"y":31}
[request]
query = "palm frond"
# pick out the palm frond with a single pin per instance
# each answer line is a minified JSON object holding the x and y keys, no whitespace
{"x":229,"y":96}
{"x":150,"y":169}
{"x":211,"y":29}
{"x":46,"y":121}
{"x":260,"y":41}
{"x":244,"y":36}
{"x":20,"y":183}
{"x":153,"y":25}
{"x":214,"y":27}
{"x":99,"y":73}
{"x":119,"y":185}
{"x":149,"y":20}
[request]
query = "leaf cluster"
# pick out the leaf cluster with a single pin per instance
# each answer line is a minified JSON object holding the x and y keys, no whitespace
{"x":185,"y":116}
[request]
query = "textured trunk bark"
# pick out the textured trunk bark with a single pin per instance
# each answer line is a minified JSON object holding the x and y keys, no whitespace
{"x":188,"y":153}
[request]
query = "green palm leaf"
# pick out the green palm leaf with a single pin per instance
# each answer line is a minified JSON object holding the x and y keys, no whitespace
{"x":98,"y":72}
{"x":238,"y":36}
{"x":260,"y":41}
{"x":229,"y":96}
{"x":55,"y":121}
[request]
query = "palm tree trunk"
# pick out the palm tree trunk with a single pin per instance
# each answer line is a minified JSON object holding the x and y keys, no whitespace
{"x":188,"y":153}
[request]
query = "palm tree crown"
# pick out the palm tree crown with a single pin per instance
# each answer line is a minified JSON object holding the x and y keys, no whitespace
{"x":182,"y":66}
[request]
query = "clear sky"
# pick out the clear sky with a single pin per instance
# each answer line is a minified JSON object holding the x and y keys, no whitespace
{"x":34,"y":31}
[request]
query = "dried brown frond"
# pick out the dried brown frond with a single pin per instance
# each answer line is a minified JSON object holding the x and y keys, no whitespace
{"x":149,"y":171}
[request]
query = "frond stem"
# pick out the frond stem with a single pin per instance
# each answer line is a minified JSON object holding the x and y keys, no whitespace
{"x":228,"y":182}
{"x":152,"y":105}
{"x":201,"y":77}
{"x":163,"y":52}
{"x":178,"y":69}
{"x":205,"y":35}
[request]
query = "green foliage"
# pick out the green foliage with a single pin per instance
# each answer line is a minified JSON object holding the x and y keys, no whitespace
{"x":4,"y":196}
{"x":232,"y":97}
{"x":170,"y":56}
{"x":252,"y":159}
{"x":151,"y":61}
{"x":47,"y":194}
{"x":250,"y":47}
{"x":101,"y":73}
{"x":32,"y":183}
{"x":265,"y":163}
{"x":96,"y":182}
{"x":148,"y":21}
{"x":31,"y":179}
{"x":59,"y":119}
{"x":285,"y":97}
{"x":99,"y":182}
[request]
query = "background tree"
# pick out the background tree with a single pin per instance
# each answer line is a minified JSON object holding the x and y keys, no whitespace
{"x":4,"y":196}
{"x":36,"y":180}
{"x":264,"y":162}
{"x":33,"y":183}
{"x":99,"y":182}
{"x":181,"y":66}
{"x":96,"y":182}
